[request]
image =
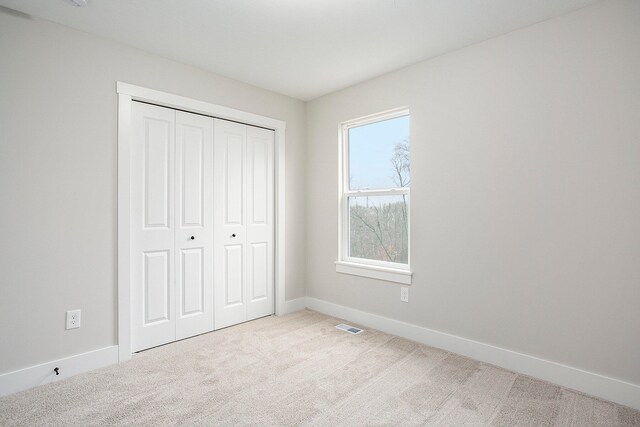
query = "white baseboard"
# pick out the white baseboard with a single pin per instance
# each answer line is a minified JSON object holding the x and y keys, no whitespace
{"x":586,"y":382}
{"x":293,"y":305}
{"x":33,"y":376}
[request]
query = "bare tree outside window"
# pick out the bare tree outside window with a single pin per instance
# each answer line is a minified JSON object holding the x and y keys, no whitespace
{"x":378,"y":223}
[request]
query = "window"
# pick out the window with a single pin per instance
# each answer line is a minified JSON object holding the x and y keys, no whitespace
{"x":374,"y":197}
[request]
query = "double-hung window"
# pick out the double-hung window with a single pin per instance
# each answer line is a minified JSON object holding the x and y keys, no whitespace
{"x":374,"y":197}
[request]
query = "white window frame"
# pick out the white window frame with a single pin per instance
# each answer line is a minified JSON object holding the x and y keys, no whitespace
{"x":382,"y":270}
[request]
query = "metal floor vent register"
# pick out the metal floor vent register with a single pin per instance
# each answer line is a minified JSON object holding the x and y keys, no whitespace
{"x":350,"y":329}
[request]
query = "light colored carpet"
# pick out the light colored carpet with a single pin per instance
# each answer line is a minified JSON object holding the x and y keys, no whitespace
{"x":299,"y":370}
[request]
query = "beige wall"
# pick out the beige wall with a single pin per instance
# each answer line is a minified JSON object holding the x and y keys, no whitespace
{"x":58,"y":136}
{"x":525,"y":156}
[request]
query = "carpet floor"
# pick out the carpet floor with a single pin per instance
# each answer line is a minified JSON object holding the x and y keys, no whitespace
{"x":299,"y":370}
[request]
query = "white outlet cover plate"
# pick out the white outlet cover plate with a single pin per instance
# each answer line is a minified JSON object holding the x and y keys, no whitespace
{"x":73,"y":319}
{"x":404,"y":294}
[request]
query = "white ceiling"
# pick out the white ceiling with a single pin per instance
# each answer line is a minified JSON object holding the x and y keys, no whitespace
{"x":301,"y":48}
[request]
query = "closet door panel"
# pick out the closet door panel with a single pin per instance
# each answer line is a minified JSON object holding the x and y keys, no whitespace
{"x":192,"y":281}
{"x":233,"y":278}
{"x":260,"y":224}
{"x":192,"y":141}
{"x":259,"y":174}
{"x":152,"y":226}
{"x":194,"y":230}
{"x":157,"y":162}
{"x":156,"y":292}
{"x":233,"y":195}
{"x":230,"y":219}
{"x":259,"y":271}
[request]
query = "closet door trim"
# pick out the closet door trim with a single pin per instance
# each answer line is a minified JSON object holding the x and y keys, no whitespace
{"x":128,"y":93}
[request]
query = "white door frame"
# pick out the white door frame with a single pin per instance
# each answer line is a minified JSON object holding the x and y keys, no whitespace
{"x":127,"y":93}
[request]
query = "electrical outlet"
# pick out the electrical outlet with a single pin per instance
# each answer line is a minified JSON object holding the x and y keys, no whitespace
{"x":404,"y":294}
{"x":73,"y":319}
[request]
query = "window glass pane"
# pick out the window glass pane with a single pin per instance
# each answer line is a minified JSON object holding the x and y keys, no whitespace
{"x":379,"y":155}
{"x":378,"y":228}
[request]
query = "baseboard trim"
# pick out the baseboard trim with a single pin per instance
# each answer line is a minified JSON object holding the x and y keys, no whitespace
{"x":13,"y":382}
{"x":586,"y":382}
{"x":293,"y":305}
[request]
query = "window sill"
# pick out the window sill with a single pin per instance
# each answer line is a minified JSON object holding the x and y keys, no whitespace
{"x":374,"y":272}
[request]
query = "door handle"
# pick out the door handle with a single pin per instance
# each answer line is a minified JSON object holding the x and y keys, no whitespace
{"x":193,"y":237}
{"x":233,"y":235}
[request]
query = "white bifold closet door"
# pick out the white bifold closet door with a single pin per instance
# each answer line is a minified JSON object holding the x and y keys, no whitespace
{"x":243,"y":222}
{"x":171,"y":225}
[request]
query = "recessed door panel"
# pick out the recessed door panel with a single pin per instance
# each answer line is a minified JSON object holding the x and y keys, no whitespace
{"x":192,"y":177}
{"x":156,"y":166}
{"x":156,"y":287}
{"x":234,"y":191}
{"x":258,"y":271}
{"x":234,"y":294}
{"x":259,"y":182}
{"x":192,"y":282}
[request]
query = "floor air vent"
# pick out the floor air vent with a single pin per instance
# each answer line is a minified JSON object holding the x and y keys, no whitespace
{"x":350,"y":329}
